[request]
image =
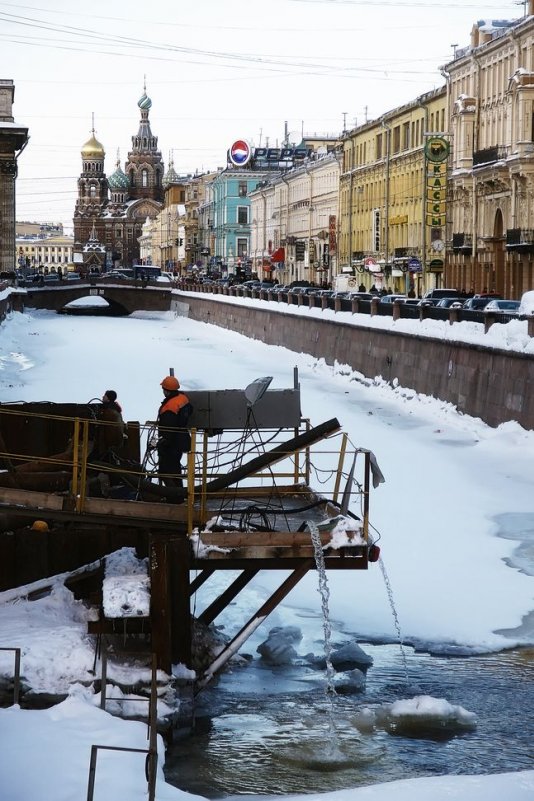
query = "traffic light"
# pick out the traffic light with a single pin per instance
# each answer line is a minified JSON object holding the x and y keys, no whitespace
{"x":300,"y":249}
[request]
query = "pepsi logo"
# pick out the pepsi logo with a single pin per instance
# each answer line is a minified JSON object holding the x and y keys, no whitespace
{"x":240,"y":153}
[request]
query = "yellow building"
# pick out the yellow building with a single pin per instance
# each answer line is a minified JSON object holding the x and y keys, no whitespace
{"x":389,"y":232}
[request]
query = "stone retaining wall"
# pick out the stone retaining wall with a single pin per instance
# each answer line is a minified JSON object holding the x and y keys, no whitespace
{"x":495,"y":385}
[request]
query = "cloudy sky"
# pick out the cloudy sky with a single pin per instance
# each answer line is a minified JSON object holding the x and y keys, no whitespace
{"x":216,"y":70}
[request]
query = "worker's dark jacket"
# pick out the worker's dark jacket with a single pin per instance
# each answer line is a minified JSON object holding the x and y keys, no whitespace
{"x":110,"y":434}
{"x":173,"y":417}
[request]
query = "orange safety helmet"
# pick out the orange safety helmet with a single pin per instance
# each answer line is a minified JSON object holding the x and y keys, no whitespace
{"x":170,"y":382}
{"x":39,"y":525}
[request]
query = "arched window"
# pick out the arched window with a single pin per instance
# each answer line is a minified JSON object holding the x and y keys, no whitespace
{"x":144,"y":178}
{"x":92,"y":191}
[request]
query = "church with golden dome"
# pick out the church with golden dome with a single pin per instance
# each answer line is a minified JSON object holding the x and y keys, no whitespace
{"x":111,"y":211}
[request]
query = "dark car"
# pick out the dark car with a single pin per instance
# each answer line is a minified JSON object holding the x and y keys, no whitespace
{"x":479,"y":302}
{"x":114,"y":275}
{"x":391,"y":298}
{"x":450,"y":303}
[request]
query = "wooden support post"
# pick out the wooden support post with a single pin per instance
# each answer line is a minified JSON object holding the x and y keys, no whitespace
{"x":220,"y":603}
{"x":180,"y":610}
{"x":159,"y":601}
{"x":256,"y":620}
{"x":199,"y":580}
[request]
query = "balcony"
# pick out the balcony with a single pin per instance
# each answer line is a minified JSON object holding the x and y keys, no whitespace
{"x":520,"y":240}
{"x":490,"y":155}
{"x":463,"y":244}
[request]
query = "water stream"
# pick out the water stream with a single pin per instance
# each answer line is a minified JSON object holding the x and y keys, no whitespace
{"x":395,"y":616}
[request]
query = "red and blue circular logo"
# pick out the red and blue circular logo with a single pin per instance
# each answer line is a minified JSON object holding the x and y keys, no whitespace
{"x":240,"y":153}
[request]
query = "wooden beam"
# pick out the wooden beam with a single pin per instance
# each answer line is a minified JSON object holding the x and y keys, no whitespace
{"x":199,"y":580}
{"x":276,"y":563}
{"x":255,"y":621}
{"x":179,"y":604}
{"x":159,"y":601}
{"x":30,"y":500}
{"x":259,"y":552}
{"x":226,"y":597}
{"x":240,"y":539}
{"x":120,"y":625}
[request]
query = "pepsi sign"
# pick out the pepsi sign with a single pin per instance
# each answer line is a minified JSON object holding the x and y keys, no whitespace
{"x":240,"y":153}
{"x":281,"y":153}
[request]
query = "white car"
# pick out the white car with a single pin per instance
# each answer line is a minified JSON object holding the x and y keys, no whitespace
{"x":504,"y":306}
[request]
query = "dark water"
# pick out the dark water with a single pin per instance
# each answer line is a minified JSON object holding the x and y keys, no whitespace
{"x":266,"y":731}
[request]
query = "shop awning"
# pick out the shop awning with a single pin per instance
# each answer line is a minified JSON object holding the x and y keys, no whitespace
{"x":279,"y":255}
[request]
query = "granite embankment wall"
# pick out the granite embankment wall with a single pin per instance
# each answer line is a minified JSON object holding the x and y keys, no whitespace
{"x":495,"y":385}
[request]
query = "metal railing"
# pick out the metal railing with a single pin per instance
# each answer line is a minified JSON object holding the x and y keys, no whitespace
{"x":151,"y":762}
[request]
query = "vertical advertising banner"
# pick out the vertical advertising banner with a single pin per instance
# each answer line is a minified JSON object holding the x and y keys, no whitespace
{"x":436,"y":155}
{"x":332,"y":234}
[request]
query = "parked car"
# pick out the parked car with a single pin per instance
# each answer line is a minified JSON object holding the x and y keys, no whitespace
{"x":390,"y":298}
{"x":479,"y":302}
{"x":114,"y":275}
{"x":504,"y":306}
{"x":51,"y":278}
{"x":450,"y":303}
{"x":71,"y":276}
{"x":443,"y":292}
{"x":362,"y":295}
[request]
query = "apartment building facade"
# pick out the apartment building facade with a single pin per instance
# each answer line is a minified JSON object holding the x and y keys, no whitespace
{"x":392,"y":196}
{"x":491,"y":181}
{"x":294,"y":222}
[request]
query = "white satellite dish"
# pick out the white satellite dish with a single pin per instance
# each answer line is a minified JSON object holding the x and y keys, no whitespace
{"x":257,"y":390}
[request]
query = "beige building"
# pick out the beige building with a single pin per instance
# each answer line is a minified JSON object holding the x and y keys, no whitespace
{"x":491,"y":100}
{"x":389,"y":232}
{"x":44,"y":254}
{"x":294,"y":222}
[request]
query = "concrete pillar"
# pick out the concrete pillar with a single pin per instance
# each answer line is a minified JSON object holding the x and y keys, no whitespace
{"x":489,"y":319}
{"x":454,"y":316}
{"x":324,"y":302}
{"x":374,"y":306}
{"x":355,"y":306}
{"x":13,"y":138}
{"x":396,"y":310}
{"x":337,"y":304}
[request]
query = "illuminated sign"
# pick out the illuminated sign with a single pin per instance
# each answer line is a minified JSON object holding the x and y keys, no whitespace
{"x":240,"y":153}
{"x":332,"y":230}
{"x":437,"y":149}
{"x":436,"y":194}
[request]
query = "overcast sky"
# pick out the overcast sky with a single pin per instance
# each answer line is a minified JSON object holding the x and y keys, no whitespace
{"x":216,"y":70}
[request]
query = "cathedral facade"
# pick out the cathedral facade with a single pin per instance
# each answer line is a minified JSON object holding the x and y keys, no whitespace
{"x":111,"y":211}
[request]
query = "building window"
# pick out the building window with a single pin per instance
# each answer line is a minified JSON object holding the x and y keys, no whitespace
{"x":242,"y":189}
{"x":92,"y":191}
{"x":396,"y":138}
{"x":406,"y":136}
{"x":242,"y":215}
{"x":379,"y":146}
{"x":242,"y":248}
{"x":144,"y":178}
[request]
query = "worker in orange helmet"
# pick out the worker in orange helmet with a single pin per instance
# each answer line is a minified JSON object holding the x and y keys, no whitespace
{"x":173,"y":437}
